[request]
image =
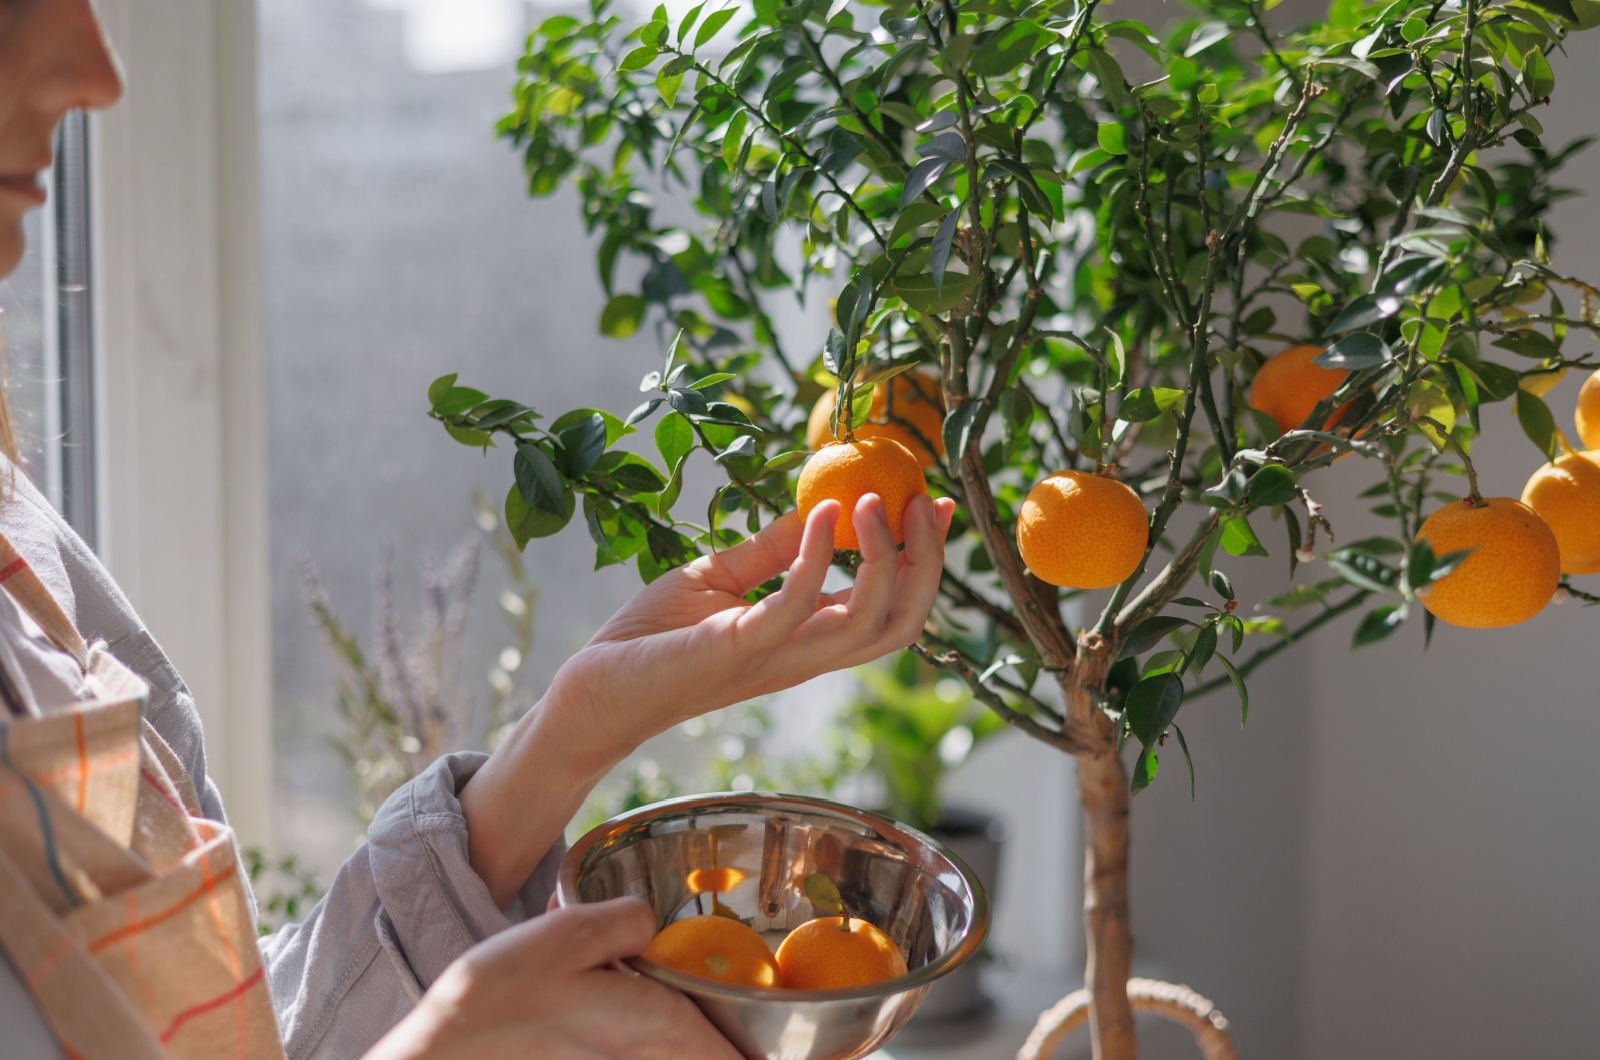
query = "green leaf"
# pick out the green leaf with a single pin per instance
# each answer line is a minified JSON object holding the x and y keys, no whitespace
{"x":1220,"y":582}
{"x":470,"y":438}
{"x":1364,"y":310}
{"x":923,"y":294}
{"x":1378,"y":624}
{"x":669,"y":79}
{"x":582,"y":444}
{"x":711,"y":380}
{"x":1148,"y":402}
{"x":1537,"y":77}
{"x":1537,"y":423}
{"x":1357,"y":350}
{"x":1205,"y":646}
{"x":1238,"y":686}
{"x":1238,"y":539}
{"x":615,"y":428}
{"x":1151,"y":705}
{"x":1363,"y":570}
{"x":733,"y":139}
{"x":674,"y":438}
{"x":1151,"y":632}
{"x":915,"y":216}
{"x":631,"y":472}
{"x":526,"y":522}
{"x":642,"y":413}
{"x":540,"y":482}
{"x":861,"y":404}
{"x":1529,"y":344}
{"x":440,"y":387}
{"x":1272,"y":484}
{"x":622,"y":315}
{"x":1009,"y":47}
{"x":1184,"y":745}
{"x":1144,"y":770}
{"x":1027,"y":185}
{"x":709,"y":27}
{"x":639,"y":58}
{"x":1113,"y":138}
{"x":459,"y":400}
{"x":959,"y":427}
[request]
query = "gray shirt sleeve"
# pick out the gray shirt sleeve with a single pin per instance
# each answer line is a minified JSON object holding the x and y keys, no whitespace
{"x":399,"y":912}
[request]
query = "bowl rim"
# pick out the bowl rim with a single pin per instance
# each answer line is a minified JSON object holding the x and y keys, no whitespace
{"x":966,"y":947}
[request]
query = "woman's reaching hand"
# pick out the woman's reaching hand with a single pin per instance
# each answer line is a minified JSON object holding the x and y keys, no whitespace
{"x":691,"y":642}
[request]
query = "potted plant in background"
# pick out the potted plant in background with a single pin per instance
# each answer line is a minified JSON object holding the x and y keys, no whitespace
{"x":920,"y":724}
{"x":1112,"y":281}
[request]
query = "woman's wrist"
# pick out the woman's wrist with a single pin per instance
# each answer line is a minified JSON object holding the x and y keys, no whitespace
{"x":519,"y":803}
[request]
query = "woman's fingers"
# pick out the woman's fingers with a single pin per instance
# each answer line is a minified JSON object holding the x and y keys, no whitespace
{"x":775,"y":617}
{"x":749,"y":563}
{"x":873,"y":591}
{"x":917,"y":582}
{"x":594,"y":934}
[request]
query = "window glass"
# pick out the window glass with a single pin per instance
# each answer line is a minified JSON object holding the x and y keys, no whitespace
{"x":399,"y":245}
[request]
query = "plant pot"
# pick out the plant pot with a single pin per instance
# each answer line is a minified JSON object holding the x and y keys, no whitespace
{"x":957,"y":1002}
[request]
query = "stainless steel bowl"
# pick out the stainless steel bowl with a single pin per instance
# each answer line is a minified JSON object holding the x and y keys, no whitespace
{"x":887,"y":873}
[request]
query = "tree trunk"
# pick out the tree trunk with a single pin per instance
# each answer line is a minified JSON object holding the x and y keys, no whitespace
{"x":1103,"y":794}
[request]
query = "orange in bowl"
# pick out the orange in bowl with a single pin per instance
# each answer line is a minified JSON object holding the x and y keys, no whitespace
{"x":826,"y":954}
{"x":715,"y":947}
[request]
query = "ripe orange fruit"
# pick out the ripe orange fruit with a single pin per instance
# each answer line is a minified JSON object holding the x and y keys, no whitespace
{"x":1513,"y":569}
{"x":1082,"y":531}
{"x":1566,"y":495}
{"x":1288,"y":386}
{"x":1588,"y":416}
{"x":847,"y":471}
{"x":715,"y":947}
{"x":822,"y":955}
{"x":916,"y":419}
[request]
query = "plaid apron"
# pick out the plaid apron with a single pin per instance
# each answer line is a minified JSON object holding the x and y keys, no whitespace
{"x":120,"y":907}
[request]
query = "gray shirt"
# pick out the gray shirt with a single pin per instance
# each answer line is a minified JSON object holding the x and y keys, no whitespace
{"x":398,"y":912}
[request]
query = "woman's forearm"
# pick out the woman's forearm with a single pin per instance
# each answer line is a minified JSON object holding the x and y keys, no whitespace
{"x":519,"y":803}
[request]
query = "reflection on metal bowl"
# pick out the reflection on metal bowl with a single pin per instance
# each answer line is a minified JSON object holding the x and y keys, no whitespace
{"x":887,"y":873}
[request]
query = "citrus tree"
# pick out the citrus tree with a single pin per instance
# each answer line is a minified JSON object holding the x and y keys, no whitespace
{"x":1120,"y":292}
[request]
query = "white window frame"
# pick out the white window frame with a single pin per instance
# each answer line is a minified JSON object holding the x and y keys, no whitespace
{"x":181,"y":397}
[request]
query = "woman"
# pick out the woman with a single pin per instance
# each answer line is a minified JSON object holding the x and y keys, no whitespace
{"x":433,"y":940}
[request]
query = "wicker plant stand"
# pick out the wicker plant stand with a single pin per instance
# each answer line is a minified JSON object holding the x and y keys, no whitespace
{"x":1167,"y":1000}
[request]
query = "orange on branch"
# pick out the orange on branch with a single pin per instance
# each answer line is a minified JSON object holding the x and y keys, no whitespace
{"x":847,"y":471}
{"x":1288,"y":386}
{"x":908,"y":408}
{"x":1588,"y":414}
{"x":1082,"y":531}
{"x":715,"y":947}
{"x":823,"y":954}
{"x":1511,"y":573}
{"x":1566,"y":495}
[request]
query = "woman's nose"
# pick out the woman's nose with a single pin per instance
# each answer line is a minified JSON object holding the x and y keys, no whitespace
{"x":82,"y":71}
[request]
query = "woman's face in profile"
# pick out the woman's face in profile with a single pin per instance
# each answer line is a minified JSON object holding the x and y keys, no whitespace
{"x":53,"y":58}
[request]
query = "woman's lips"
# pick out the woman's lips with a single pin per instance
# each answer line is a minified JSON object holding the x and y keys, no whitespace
{"x":27,"y":185}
